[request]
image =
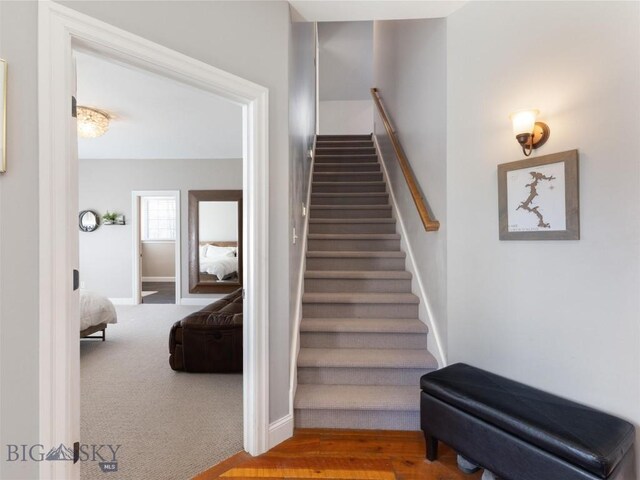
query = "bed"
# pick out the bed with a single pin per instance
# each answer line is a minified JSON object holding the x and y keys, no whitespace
{"x":219,"y":261}
{"x":96,"y":312}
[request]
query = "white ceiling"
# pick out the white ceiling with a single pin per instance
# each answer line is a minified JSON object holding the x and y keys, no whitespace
{"x":345,"y":10}
{"x":154,"y":117}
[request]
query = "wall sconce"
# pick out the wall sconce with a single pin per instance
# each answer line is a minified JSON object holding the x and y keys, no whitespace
{"x":529,"y":133}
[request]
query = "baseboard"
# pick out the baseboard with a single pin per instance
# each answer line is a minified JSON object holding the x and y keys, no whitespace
{"x":280,"y":430}
{"x":159,"y":279}
{"x":412,"y":266}
{"x":198,"y":301}
{"x":122,"y":301}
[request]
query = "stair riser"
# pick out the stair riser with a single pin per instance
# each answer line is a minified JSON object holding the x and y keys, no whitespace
{"x":360,"y":310}
{"x":343,"y":138}
{"x":314,"y":263}
{"x":345,"y":151}
{"x":352,"y":228}
{"x":350,"y":200}
{"x":343,"y":143}
{"x":354,"y":245}
{"x":382,"y":212}
{"x":347,"y":188}
{"x":360,"y":376}
{"x":358,"y":419}
{"x":321,"y":159}
{"x":358,"y":167}
{"x":347,"y":177}
{"x":327,"y":285}
{"x":362,"y":340}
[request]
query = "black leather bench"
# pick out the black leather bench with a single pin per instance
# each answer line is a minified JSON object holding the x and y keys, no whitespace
{"x":521,"y":433}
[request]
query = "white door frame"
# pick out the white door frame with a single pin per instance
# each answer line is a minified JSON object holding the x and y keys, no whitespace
{"x":60,"y":30}
{"x":136,"y":197}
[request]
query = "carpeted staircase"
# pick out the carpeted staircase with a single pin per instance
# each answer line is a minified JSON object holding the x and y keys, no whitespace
{"x":362,"y":346}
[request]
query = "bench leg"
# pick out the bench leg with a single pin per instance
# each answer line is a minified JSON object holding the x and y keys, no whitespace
{"x":432,"y":447}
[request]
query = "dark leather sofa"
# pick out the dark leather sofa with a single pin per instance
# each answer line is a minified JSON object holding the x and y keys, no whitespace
{"x":521,"y":433}
{"x":209,"y":340}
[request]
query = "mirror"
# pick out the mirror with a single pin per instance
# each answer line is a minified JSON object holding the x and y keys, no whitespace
{"x":215,"y":241}
{"x":88,"y":220}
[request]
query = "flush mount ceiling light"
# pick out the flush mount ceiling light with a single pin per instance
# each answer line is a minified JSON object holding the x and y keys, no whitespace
{"x":92,"y":123}
{"x":529,"y":133}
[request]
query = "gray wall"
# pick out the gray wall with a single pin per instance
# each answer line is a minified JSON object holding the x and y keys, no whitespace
{"x":561,"y":315}
{"x":106,"y":255}
{"x":345,"y":67}
{"x":410,"y":71}
{"x":19,"y":239}
{"x":302,"y":127}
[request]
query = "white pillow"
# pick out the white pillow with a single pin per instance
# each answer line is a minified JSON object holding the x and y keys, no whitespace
{"x":216,"y":252}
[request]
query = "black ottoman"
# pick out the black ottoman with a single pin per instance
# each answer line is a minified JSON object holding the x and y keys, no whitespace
{"x":519,"y":432}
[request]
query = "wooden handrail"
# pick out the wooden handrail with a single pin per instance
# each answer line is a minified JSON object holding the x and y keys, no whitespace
{"x":430,"y":224}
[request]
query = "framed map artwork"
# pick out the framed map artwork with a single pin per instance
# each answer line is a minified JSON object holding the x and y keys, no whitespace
{"x":538,"y":198}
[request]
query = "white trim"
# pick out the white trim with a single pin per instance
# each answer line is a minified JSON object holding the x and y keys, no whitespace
{"x":136,"y":199}
{"x":280,"y":430}
{"x":61,"y":29}
{"x":297,"y":316}
{"x":201,"y":301}
{"x":159,"y":279}
{"x":412,"y":266}
{"x":123,"y":301}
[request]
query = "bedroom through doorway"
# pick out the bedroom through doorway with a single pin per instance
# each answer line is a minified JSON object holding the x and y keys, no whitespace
{"x":160,"y":177}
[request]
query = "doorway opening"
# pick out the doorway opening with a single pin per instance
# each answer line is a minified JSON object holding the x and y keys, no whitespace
{"x":61,"y":30}
{"x":157,"y":247}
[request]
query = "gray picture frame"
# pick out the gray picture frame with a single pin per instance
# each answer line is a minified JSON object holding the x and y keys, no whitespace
{"x":572,"y":200}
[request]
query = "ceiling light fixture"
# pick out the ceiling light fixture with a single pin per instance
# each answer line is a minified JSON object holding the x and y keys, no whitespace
{"x":529,"y":133}
{"x":92,"y":123}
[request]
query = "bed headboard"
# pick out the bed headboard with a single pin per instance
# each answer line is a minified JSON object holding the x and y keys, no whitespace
{"x":220,"y":244}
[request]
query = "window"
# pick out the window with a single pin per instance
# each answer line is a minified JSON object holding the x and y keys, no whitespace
{"x":158,"y":218}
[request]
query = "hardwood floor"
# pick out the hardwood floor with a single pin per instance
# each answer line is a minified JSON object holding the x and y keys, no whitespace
{"x":343,"y":454}
{"x":166,"y":292}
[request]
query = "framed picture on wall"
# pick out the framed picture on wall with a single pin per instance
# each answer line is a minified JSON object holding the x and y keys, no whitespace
{"x":539,"y":199}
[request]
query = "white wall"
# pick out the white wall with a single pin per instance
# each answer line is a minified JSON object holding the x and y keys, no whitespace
{"x":19,"y":239}
{"x":410,"y":72}
{"x":218,"y":221}
{"x":345,"y":66}
{"x":560,"y":315}
{"x":346,"y":116}
{"x":106,"y":255}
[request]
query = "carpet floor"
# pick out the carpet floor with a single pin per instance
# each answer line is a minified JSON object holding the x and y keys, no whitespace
{"x":171,"y":425}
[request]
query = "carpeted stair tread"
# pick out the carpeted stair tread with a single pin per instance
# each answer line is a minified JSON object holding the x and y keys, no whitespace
{"x":356,"y":254}
{"x":358,"y":397}
{"x":350,"y":207}
{"x":345,"y":136}
{"x":349,"y":194}
{"x":368,"y":298}
{"x":363,"y":325}
{"x":346,"y":184}
{"x":366,"y":358}
{"x":354,"y":236}
{"x":355,"y":165}
{"x":352,"y":220}
{"x":359,"y":274}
